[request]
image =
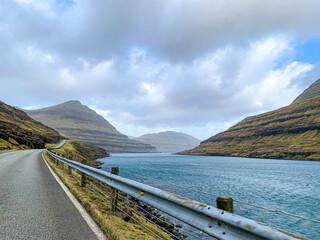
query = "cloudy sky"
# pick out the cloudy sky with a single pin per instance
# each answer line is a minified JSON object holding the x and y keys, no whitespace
{"x":154,"y":65}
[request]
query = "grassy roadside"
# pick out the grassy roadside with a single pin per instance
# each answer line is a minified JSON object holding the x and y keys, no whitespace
{"x":11,"y":150}
{"x":50,"y":145}
{"x":112,"y":223}
{"x":5,"y":146}
{"x":79,"y":151}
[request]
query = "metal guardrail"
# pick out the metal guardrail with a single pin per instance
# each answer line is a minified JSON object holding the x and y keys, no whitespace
{"x":211,"y":220}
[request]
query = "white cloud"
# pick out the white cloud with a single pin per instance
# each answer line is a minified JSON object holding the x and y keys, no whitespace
{"x":155,"y":66}
{"x":278,"y":84}
{"x":67,"y":80}
{"x":207,"y":90}
{"x":153,"y":93}
{"x":36,"y":4}
{"x":102,"y":69}
{"x":32,"y":107}
{"x":180,"y":30}
{"x":49,"y":59}
{"x":103,"y":113}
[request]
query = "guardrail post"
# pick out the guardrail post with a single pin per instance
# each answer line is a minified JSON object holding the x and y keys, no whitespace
{"x":225,"y":203}
{"x":83,"y":175}
{"x":114,"y":192}
{"x":61,"y":163}
{"x":69,"y":168}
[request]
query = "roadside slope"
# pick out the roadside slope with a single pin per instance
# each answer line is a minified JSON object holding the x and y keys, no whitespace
{"x":79,"y":151}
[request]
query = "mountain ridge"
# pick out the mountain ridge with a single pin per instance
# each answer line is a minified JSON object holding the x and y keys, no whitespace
{"x":290,"y":132}
{"x":79,"y":122}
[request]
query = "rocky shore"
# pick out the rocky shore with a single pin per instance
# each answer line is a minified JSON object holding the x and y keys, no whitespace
{"x":157,"y":217}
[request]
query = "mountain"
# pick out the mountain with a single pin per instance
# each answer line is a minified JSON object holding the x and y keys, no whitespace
{"x":76,"y":121}
{"x":310,"y":92}
{"x":291,"y":132}
{"x":19,"y":131}
{"x":170,"y":141}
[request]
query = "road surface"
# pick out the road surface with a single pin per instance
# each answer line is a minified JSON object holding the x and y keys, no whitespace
{"x":60,"y":144}
{"x":32,"y":203}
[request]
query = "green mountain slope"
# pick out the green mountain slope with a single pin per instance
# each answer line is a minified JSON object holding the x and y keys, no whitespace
{"x":19,"y":131}
{"x":170,"y":141}
{"x":312,"y":91}
{"x":76,"y":121}
{"x":291,"y":132}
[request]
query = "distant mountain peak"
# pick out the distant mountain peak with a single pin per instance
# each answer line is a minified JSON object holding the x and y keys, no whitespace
{"x":77,"y":121}
{"x":170,"y":141}
{"x":169,"y":132}
{"x":73,"y":102}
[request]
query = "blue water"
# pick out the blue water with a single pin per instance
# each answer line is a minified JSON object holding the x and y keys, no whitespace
{"x":291,"y":186}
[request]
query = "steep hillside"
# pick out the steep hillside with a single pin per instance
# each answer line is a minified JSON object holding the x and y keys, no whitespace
{"x":19,"y":131}
{"x":170,"y":141}
{"x":291,"y":132}
{"x":312,"y":91}
{"x":76,"y":121}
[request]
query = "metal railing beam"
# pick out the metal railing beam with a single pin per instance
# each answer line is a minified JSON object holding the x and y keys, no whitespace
{"x":211,"y":220}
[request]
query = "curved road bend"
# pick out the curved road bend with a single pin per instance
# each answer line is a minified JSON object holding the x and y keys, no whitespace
{"x":60,"y":144}
{"x":32,"y":203}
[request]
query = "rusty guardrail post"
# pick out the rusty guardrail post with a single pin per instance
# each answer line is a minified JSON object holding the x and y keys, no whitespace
{"x":69,"y":168}
{"x":62,"y":164}
{"x":114,"y":192}
{"x":57,"y":161}
{"x":225,"y":203}
{"x":83,"y":175}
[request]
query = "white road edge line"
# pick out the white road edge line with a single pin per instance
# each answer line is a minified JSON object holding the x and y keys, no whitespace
{"x":92,"y":224}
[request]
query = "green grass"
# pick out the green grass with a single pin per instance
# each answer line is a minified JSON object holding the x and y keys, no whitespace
{"x":50,"y":145}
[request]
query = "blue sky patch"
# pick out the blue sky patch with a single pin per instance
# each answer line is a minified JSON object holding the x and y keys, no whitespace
{"x":308,"y":51}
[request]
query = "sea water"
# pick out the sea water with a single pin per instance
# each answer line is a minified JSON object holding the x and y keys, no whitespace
{"x":286,"y":185}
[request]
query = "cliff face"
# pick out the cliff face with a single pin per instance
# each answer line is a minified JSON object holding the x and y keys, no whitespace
{"x":19,"y":131}
{"x":170,"y":141}
{"x":291,"y":132}
{"x":76,"y":121}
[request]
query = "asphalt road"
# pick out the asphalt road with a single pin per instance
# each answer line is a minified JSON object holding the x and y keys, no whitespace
{"x":60,"y":144}
{"x":32,"y":203}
